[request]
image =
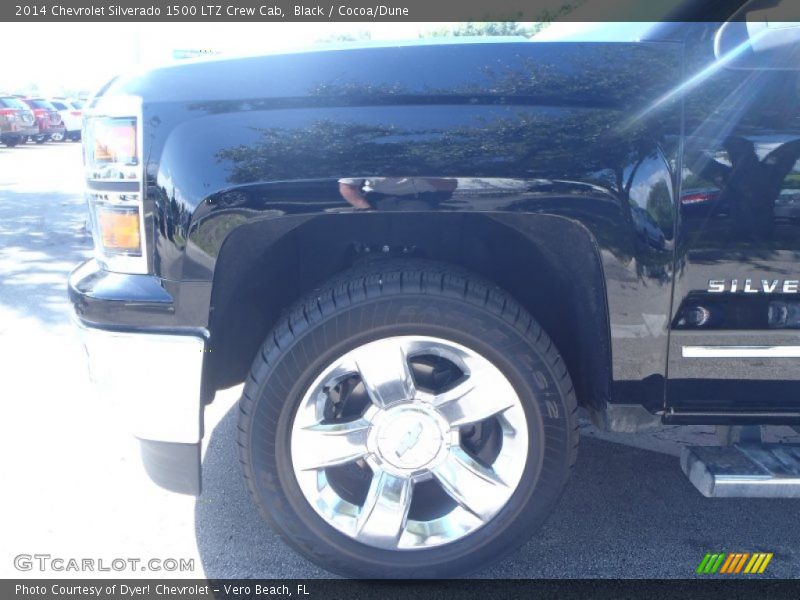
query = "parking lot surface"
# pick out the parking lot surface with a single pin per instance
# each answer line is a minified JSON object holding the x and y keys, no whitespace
{"x":74,"y":488}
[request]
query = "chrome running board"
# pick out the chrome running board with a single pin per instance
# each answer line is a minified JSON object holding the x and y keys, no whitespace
{"x":744,"y":470}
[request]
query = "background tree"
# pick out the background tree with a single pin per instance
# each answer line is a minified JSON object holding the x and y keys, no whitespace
{"x":490,"y":28}
{"x":505,"y":28}
{"x":353,"y":36}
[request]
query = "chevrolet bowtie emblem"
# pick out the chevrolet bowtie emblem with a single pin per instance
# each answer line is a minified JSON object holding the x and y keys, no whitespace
{"x":409,"y":440}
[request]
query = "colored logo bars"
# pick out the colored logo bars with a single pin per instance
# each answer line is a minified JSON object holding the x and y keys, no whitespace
{"x":734,"y":562}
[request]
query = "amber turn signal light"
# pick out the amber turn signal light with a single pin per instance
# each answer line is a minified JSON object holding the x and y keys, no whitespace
{"x":119,"y":229}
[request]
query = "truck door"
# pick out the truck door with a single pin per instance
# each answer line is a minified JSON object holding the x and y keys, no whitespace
{"x":734,"y":348}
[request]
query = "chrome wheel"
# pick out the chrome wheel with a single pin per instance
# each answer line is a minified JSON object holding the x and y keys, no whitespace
{"x":409,"y":442}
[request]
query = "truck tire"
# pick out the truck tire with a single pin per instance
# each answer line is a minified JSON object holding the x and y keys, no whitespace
{"x":407,"y":420}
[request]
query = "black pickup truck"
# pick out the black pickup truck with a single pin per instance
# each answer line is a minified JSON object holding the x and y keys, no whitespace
{"x":423,"y":260}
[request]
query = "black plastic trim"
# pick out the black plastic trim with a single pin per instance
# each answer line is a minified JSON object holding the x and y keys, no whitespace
{"x":173,"y":466}
{"x":731,"y":418}
{"x":111,"y":185}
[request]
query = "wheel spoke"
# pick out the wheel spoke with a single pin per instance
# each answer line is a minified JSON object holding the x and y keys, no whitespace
{"x":383,"y":366}
{"x":473,"y":486}
{"x":383,"y":515}
{"x":329,"y":444}
{"x":400,"y":436}
{"x":478,"y":397}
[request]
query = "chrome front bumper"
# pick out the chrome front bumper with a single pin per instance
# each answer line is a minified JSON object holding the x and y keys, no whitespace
{"x":154,"y":378}
{"x":151,"y":371}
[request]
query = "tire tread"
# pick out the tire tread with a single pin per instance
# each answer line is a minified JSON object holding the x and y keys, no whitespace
{"x":367,"y":282}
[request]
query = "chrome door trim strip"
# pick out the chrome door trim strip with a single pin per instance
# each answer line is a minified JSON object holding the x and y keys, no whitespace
{"x":740,"y":351}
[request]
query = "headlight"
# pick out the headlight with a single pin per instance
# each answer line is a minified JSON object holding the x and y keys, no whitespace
{"x":111,"y":149}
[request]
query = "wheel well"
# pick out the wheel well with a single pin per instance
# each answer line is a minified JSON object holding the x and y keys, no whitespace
{"x":549,"y":264}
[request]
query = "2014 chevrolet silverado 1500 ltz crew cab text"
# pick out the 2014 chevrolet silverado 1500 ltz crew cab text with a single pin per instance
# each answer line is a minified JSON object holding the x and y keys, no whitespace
{"x":422,"y":259}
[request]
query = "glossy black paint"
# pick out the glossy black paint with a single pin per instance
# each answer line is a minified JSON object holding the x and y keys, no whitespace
{"x":137,"y":302}
{"x":588,"y":132}
{"x":742,"y":146}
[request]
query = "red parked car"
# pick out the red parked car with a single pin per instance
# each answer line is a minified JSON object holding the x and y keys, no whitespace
{"x":16,"y":121}
{"x":48,"y":119}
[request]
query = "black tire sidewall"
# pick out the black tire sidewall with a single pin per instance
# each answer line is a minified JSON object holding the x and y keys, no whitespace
{"x":503,"y":344}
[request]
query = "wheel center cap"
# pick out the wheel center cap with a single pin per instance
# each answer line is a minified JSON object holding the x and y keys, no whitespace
{"x":409,"y":437}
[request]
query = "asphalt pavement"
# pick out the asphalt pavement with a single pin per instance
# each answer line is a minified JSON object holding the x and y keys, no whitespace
{"x":73,"y":486}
